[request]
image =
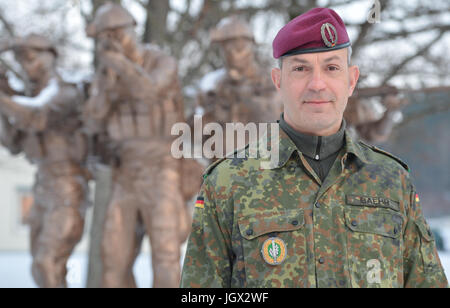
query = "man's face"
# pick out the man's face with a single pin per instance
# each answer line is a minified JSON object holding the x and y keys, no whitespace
{"x":35,"y":63}
{"x":315,"y":88}
{"x":238,"y":52}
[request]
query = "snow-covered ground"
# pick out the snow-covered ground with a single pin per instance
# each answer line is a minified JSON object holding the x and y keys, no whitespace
{"x":15,"y":270}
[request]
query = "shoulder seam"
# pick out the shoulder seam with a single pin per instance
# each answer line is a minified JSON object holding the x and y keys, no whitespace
{"x":212,"y":166}
{"x":378,"y":150}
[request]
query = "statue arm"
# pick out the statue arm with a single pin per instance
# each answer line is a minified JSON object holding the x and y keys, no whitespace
{"x":10,"y":137}
{"x":165,"y":73}
{"x":23,"y":117}
{"x":136,"y":80}
{"x":33,"y":113}
{"x":4,"y":85}
{"x":98,"y":105}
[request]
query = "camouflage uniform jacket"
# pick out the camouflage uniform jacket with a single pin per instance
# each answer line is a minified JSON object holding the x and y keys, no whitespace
{"x":362,"y":227}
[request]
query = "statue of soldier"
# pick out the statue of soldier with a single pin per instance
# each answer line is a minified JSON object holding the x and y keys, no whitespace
{"x":8,"y":135}
{"x":46,"y":126}
{"x":244,"y":92}
{"x":135,"y":99}
{"x":373,"y":113}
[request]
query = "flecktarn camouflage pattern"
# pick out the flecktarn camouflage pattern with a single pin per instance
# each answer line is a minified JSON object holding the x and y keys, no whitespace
{"x":362,"y":227}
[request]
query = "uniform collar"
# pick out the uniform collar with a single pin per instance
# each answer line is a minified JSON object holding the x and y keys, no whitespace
{"x":287,"y":147}
{"x":355,"y":148}
{"x":315,"y":147}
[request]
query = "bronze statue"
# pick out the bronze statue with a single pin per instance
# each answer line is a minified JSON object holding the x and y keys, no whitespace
{"x":46,"y":127}
{"x":244,"y":93}
{"x":135,"y":99}
{"x":372,"y":113}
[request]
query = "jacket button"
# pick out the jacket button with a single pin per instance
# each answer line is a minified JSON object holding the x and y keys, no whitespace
{"x":249,"y":232}
{"x":295,"y":222}
{"x":317,"y":205}
{"x":354,"y":223}
{"x":321,"y":260}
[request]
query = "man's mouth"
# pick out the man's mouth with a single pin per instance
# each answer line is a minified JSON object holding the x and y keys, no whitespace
{"x":316,"y":102}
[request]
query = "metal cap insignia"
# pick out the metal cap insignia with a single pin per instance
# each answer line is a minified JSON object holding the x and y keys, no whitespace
{"x":332,"y":38}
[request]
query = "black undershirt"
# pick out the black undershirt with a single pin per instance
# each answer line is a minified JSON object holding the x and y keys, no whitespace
{"x":319,"y":151}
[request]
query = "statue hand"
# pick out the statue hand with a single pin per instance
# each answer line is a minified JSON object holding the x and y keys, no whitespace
{"x":115,"y":61}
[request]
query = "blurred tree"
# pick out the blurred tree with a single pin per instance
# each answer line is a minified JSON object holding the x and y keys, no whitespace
{"x":419,"y":30}
{"x":405,"y":48}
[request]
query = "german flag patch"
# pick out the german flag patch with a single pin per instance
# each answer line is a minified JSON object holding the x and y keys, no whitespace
{"x":200,"y":203}
{"x":417,"y":198}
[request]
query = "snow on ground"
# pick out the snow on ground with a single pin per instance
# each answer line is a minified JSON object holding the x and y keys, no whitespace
{"x":15,"y":270}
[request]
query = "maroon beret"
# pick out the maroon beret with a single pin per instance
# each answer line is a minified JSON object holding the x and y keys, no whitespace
{"x":319,"y":29}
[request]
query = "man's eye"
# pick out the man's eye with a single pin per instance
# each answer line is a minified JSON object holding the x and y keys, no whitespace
{"x":333,"y":68}
{"x":299,"y":68}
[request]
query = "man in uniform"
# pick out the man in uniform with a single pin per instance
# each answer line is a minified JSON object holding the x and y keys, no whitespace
{"x":135,"y":99}
{"x":46,"y":126}
{"x":244,"y":92}
{"x":332,"y":212}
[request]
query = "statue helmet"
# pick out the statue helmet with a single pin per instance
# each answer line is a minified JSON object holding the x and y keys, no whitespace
{"x":231,"y":28}
{"x":109,"y":16}
{"x":34,"y":41}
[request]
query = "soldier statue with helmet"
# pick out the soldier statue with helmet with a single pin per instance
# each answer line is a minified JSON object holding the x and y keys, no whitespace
{"x":45,"y":125}
{"x":243,"y":92}
{"x":134,"y":100}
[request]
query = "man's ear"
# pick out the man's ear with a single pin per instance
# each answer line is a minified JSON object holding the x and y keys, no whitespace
{"x":353,"y":72}
{"x":276,"y":77}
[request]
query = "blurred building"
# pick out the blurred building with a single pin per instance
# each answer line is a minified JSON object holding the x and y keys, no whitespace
{"x":423,"y":142}
{"x":16,"y":182}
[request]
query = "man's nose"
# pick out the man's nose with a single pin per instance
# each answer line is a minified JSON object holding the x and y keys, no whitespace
{"x":316,"y":83}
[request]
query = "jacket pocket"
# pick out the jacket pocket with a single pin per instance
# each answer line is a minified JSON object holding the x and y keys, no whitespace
{"x":427,"y":248}
{"x":274,"y":247}
{"x":374,"y":247}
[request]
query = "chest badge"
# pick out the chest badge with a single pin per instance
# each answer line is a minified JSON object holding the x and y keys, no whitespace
{"x":274,"y":251}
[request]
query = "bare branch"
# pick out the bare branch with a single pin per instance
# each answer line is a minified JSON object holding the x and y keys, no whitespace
{"x":8,"y":27}
{"x":365,"y":28}
{"x":405,"y":61}
{"x":385,"y":36}
{"x":10,"y":68}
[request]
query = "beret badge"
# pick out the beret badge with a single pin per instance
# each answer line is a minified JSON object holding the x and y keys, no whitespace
{"x":332,"y":38}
